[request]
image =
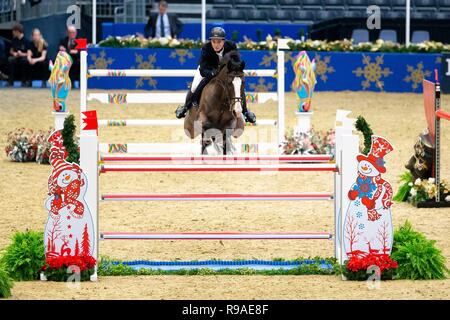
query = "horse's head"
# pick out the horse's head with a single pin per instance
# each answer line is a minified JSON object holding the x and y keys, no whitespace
{"x":234,"y":75}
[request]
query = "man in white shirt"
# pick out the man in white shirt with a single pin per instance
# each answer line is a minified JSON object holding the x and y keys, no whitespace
{"x":163,"y":24}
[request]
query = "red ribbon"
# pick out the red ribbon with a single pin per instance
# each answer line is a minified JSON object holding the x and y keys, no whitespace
{"x":81,"y":43}
{"x":90,"y":120}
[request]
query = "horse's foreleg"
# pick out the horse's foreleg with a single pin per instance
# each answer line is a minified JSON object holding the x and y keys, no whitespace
{"x":239,"y":128}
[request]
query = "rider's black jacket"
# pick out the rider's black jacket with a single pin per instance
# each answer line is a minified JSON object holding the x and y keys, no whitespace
{"x":209,"y":60}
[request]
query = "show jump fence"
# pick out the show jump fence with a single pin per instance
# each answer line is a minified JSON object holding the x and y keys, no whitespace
{"x":344,"y":168}
{"x":94,"y":162}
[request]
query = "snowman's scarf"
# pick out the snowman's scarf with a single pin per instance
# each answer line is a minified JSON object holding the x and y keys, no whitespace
{"x":387,"y":197}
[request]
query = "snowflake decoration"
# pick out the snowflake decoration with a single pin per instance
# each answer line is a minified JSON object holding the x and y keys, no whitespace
{"x":372,"y":72}
{"x":359,"y":215}
{"x":290,"y":57}
{"x":323,"y":67}
{"x":262,"y":86}
{"x":416,"y":76}
{"x":181,"y":54}
{"x":269,"y":59}
{"x":357,"y":203}
{"x":361,"y":226}
{"x":365,"y":187}
{"x":438,"y":59}
{"x":100,"y":61}
{"x":147,"y":64}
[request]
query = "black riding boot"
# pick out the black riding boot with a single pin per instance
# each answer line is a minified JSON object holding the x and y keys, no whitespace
{"x":248,"y":115}
{"x":192,"y":99}
{"x":182,"y":110}
{"x":198,"y":92}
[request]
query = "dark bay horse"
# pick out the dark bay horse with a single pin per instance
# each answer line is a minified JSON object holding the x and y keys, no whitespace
{"x":219,"y":115}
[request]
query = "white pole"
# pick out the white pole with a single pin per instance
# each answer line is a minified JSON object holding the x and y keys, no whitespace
{"x":280,"y":90}
{"x":408,"y":10}
{"x":94,"y":21}
{"x":346,"y":150}
{"x":89,"y":156}
{"x":203,"y":20}
{"x":83,"y":82}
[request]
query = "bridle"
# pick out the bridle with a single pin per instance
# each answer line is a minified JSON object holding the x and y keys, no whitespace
{"x":230,"y":102}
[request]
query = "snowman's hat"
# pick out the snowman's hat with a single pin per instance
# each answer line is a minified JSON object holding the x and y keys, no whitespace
{"x":59,"y":165}
{"x":380,"y":147}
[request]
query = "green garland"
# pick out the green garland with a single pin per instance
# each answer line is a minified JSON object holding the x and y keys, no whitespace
{"x":362,"y":126}
{"x":67,"y":134}
{"x":106,"y":268}
{"x":270,"y":43}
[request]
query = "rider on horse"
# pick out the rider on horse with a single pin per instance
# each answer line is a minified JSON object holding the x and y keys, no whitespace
{"x":211,"y":54}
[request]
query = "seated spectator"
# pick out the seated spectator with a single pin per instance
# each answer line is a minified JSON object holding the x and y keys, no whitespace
{"x":3,"y":60}
{"x":68,"y":44}
{"x":17,"y":61}
{"x":37,"y":58}
{"x":163,"y":24}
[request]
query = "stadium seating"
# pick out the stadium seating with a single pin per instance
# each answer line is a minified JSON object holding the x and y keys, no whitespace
{"x":444,"y":5}
{"x":257,"y":15}
{"x":420,"y":36}
{"x":318,"y":10}
{"x":360,"y":35}
{"x":388,"y":35}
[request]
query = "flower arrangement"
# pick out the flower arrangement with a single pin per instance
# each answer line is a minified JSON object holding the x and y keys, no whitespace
{"x":420,"y":190}
{"x":270,"y":43}
{"x":142,"y":42}
{"x":312,"y":142}
{"x":62,"y":267}
{"x":26,"y":145}
{"x":358,"y":266}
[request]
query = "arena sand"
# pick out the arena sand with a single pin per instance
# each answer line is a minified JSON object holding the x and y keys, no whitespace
{"x":398,"y":117}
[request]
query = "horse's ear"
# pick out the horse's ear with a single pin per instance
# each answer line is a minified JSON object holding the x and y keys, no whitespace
{"x":242,"y":65}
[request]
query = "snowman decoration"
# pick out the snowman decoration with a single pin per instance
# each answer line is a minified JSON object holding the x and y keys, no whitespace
{"x":69,"y":230}
{"x":368,"y":221}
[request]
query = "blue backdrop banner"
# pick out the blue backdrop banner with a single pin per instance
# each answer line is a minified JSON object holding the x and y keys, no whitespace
{"x":336,"y":71}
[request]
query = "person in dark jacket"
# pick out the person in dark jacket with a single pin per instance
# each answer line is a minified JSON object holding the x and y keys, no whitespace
{"x":3,"y":60}
{"x":163,"y":24}
{"x":37,"y":57}
{"x":68,"y":45}
{"x":211,"y":54}
{"x":17,"y":61}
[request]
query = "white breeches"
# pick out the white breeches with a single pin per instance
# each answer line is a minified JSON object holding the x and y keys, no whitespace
{"x":197,"y":78}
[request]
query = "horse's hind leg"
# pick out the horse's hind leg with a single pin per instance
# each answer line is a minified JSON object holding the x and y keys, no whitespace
{"x":204,"y":144}
{"x":225,"y":144}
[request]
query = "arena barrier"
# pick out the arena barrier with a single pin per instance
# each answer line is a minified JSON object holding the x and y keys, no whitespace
{"x":434,"y":114}
{"x":178,"y":98}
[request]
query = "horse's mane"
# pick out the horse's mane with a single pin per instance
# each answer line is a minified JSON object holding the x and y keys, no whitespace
{"x":232,"y":56}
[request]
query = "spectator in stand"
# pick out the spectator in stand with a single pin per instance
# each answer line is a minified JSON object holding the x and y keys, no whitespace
{"x":163,"y":24}
{"x":68,"y":44}
{"x":3,"y":60}
{"x":17,"y":61}
{"x":37,"y":58}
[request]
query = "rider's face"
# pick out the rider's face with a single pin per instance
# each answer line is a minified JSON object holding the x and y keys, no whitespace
{"x":217,"y":44}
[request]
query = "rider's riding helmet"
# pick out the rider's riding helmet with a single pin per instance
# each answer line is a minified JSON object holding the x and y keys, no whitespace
{"x":217,"y":33}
